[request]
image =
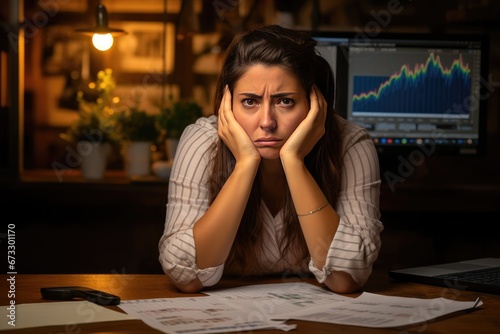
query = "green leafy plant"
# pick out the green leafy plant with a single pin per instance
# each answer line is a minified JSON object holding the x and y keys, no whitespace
{"x":174,"y":119}
{"x":138,"y":125}
{"x":98,"y":119}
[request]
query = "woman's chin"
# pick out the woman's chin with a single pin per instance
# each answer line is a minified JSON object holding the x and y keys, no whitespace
{"x":269,"y":153}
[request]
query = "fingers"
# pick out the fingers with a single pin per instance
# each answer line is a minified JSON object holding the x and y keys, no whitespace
{"x":318,"y":103}
{"x":227,"y":122}
{"x":225,"y":106}
{"x":232,"y":134}
{"x":318,"y":97}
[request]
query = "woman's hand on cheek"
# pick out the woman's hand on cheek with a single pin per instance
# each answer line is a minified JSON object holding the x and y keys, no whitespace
{"x":233,"y":135}
{"x":309,"y":131}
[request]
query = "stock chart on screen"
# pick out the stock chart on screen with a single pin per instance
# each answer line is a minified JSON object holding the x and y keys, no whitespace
{"x":415,"y":83}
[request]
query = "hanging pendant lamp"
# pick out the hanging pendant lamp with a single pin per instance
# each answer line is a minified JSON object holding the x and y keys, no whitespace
{"x":102,"y":34}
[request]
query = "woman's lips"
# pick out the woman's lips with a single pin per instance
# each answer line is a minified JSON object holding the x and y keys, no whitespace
{"x":266,"y":142}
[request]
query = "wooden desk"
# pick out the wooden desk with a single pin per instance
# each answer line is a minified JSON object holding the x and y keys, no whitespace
{"x":483,"y":320}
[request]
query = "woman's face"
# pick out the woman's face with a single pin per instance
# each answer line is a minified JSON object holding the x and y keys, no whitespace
{"x":269,"y":103}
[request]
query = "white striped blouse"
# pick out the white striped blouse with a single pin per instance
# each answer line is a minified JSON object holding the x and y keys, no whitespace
{"x":355,"y":246}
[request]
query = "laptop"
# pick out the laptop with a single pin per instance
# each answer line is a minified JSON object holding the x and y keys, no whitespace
{"x":481,"y":275}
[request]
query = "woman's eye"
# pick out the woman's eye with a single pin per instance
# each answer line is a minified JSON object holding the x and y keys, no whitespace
{"x":248,"y":102}
{"x":286,"y":102}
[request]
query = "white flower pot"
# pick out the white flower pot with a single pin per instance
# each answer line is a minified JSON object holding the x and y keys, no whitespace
{"x":137,"y":156}
{"x":171,"y":148}
{"x":94,"y":158}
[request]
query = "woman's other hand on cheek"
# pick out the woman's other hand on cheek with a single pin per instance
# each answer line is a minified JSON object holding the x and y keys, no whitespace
{"x":309,"y":131}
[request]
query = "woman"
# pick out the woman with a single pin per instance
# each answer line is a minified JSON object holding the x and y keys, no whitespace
{"x":275,"y":182}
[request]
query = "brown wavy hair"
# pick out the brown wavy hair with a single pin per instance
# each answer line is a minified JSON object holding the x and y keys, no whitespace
{"x":295,"y":52}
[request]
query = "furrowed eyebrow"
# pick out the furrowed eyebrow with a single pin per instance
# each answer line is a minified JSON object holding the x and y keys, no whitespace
{"x":284,"y":94}
{"x":250,"y":95}
{"x":277,"y":95}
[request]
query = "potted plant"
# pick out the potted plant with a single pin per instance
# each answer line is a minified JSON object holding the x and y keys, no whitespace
{"x":94,"y":132}
{"x":139,"y":131}
{"x":174,"y":119}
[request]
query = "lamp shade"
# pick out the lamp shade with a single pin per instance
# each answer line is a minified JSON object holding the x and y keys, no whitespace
{"x":101,"y":26}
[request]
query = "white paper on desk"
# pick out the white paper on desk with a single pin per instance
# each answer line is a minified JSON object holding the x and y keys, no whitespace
{"x":59,"y":313}
{"x":279,"y":299}
{"x":372,"y":310}
{"x":197,"y":315}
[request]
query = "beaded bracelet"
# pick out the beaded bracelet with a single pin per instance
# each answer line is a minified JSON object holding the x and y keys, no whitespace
{"x":313,"y":211}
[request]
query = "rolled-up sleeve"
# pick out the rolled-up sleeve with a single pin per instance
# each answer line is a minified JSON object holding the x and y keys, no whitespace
{"x":188,"y":200}
{"x":356,"y":244}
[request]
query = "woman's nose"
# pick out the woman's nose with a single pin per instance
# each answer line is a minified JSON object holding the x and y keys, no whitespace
{"x":267,"y":119}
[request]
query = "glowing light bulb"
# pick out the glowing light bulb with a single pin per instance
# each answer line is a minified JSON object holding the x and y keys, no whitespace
{"x":102,"y":42}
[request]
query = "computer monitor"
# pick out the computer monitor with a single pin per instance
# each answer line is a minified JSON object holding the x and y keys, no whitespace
{"x":412,"y":91}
